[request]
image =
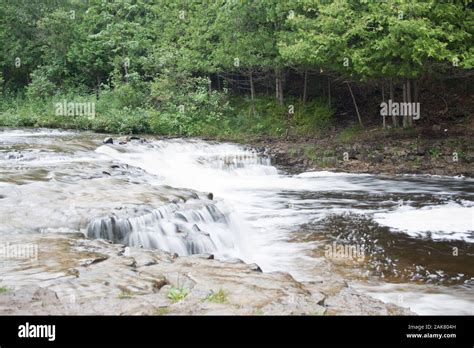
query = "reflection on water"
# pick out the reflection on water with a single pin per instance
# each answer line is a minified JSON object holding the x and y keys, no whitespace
{"x":394,"y":257}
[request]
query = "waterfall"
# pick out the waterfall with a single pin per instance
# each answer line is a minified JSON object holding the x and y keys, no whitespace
{"x":189,"y":196}
{"x":192,"y":227}
{"x":195,"y":226}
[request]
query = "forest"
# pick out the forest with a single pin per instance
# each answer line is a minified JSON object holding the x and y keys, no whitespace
{"x":237,"y":157}
{"x":230,"y":69}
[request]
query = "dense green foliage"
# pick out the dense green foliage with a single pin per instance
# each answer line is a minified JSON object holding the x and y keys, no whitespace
{"x":215,"y":68}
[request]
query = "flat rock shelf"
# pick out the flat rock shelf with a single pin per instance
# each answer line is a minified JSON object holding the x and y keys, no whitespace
{"x":77,"y":276}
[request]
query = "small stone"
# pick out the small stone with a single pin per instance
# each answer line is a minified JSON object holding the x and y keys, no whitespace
{"x":256,"y":268}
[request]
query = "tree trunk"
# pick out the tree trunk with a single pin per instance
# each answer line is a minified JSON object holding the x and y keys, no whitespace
{"x":280,"y":94}
{"x":409,"y":99}
{"x":125,"y":68}
{"x":277,"y":90}
{"x":392,"y":98}
{"x":405,"y":118}
{"x":252,"y":92}
{"x":210,"y":85}
{"x":305,"y":87}
{"x":252,"y":88}
{"x":218,"y":82}
{"x":383,"y":100}
{"x":329,"y":91}
{"x":279,"y":86}
{"x":416,"y":95}
{"x":97,"y":91}
{"x":355,"y":104}
{"x":415,"y":91}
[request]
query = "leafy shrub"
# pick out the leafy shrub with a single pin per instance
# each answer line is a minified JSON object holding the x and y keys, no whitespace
{"x":186,"y":106}
{"x":40,"y":86}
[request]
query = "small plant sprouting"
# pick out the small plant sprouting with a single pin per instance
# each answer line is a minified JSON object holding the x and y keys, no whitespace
{"x":3,"y":289}
{"x":435,"y":152}
{"x":177,"y":294}
{"x":217,"y":297}
{"x":125,"y":294}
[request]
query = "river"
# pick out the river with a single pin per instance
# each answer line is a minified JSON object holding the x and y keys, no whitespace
{"x":402,"y":239}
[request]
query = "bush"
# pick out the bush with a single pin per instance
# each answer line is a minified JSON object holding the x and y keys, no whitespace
{"x":272,"y":119}
{"x":169,"y":106}
{"x":40,"y":86}
{"x":185,"y":106}
{"x":350,"y":133}
{"x":313,"y":117}
{"x":122,"y":121}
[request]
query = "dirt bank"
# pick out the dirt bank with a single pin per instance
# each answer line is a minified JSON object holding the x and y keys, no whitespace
{"x":435,"y":151}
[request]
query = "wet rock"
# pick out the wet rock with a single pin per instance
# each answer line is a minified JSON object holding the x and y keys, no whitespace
{"x":203,"y":256}
{"x":234,"y":260}
{"x":210,"y":196}
{"x":376,"y":158}
{"x":254,"y":267}
{"x":139,"y":281}
{"x":45,"y":295}
{"x":469,"y":159}
{"x":159,"y":283}
{"x":352,"y":154}
{"x":349,"y":301}
{"x":88,"y":262}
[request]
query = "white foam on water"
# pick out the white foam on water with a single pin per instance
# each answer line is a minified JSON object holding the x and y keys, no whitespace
{"x":422,"y":299}
{"x":269,"y":206}
{"x":449,"y":221}
{"x":265,"y":207}
{"x":16,"y":133}
{"x":325,"y":173}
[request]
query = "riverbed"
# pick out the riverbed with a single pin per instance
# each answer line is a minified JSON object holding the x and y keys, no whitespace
{"x":403,"y":239}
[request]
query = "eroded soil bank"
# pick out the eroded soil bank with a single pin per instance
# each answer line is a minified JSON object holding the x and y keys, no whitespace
{"x":434,"y":151}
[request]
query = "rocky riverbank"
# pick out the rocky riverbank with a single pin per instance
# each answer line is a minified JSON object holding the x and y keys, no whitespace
{"x":432,"y":152}
{"x":76,"y":276}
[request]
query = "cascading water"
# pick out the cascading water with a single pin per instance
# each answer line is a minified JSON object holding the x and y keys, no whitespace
{"x":156,"y":194}
{"x":216,"y":228}
{"x":175,"y":227}
{"x":271,"y":207}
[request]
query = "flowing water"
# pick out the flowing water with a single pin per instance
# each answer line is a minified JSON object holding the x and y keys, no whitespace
{"x":402,"y":239}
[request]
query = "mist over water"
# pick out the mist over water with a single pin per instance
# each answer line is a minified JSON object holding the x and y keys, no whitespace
{"x":155,"y":194}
